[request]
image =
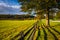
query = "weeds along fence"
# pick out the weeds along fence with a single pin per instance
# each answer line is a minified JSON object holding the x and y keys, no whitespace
{"x":22,"y":34}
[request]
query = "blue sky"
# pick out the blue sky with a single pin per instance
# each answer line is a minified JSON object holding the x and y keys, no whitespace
{"x":9,"y":7}
{"x":10,"y":2}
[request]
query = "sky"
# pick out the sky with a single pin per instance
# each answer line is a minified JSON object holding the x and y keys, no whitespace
{"x":10,"y":7}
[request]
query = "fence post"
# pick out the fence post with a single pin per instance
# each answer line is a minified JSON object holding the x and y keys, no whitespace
{"x":22,"y":35}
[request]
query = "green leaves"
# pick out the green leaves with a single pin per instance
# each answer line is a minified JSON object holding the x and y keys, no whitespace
{"x":37,"y":4}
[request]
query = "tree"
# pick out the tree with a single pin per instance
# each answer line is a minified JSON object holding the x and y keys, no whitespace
{"x":58,"y":3}
{"x":38,"y":6}
{"x":58,"y":15}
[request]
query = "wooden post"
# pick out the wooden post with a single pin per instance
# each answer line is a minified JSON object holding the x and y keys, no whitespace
{"x":22,"y":35}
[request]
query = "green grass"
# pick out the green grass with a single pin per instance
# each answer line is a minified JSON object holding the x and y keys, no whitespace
{"x":47,"y":34}
{"x":10,"y":28}
{"x":55,"y":24}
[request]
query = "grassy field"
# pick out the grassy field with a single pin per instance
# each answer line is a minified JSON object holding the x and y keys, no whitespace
{"x":49,"y":33}
{"x":11,"y":29}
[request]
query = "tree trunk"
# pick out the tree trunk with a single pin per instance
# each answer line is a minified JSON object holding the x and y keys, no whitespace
{"x":47,"y":18}
{"x":38,"y":17}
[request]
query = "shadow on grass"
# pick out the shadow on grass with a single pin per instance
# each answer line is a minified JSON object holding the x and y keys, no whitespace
{"x":45,"y":34}
{"x":22,"y":34}
{"x":31,"y":35}
{"x":22,"y":38}
{"x":55,"y":30}
{"x":38,"y":33}
{"x":52,"y":34}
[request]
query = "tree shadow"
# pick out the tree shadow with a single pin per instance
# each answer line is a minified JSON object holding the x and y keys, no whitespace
{"x":52,"y":34}
{"x":32,"y":34}
{"x":45,"y":34}
{"x":22,"y":38}
{"x":38,"y":33}
{"x":55,"y":30}
{"x":29,"y":30}
{"x":22,"y":34}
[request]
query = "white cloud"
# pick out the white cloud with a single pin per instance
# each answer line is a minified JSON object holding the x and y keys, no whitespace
{"x":7,"y":5}
{"x":15,"y":6}
{"x":9,"y":9}
{"x":2,"y":3}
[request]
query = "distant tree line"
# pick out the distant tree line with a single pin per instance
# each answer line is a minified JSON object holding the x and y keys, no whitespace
{"x":23,"y":17}
{"x":20,"y":17}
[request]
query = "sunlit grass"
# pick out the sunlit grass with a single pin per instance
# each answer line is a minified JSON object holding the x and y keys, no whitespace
{"x":10,"y":28}
{"x":55,"y":25}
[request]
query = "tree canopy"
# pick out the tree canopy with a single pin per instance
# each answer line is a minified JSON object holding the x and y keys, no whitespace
{"x":36,"y":5}
{"x":39,"y":6}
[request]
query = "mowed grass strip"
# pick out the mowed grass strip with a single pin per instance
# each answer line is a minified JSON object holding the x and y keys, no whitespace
{"x":14,"y":26}
{"x":48,"y":33}
{"x":36,"y":34}
{"x":40,"y":34}
{"x":55,"y":32}
{"x":44,"y":33}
